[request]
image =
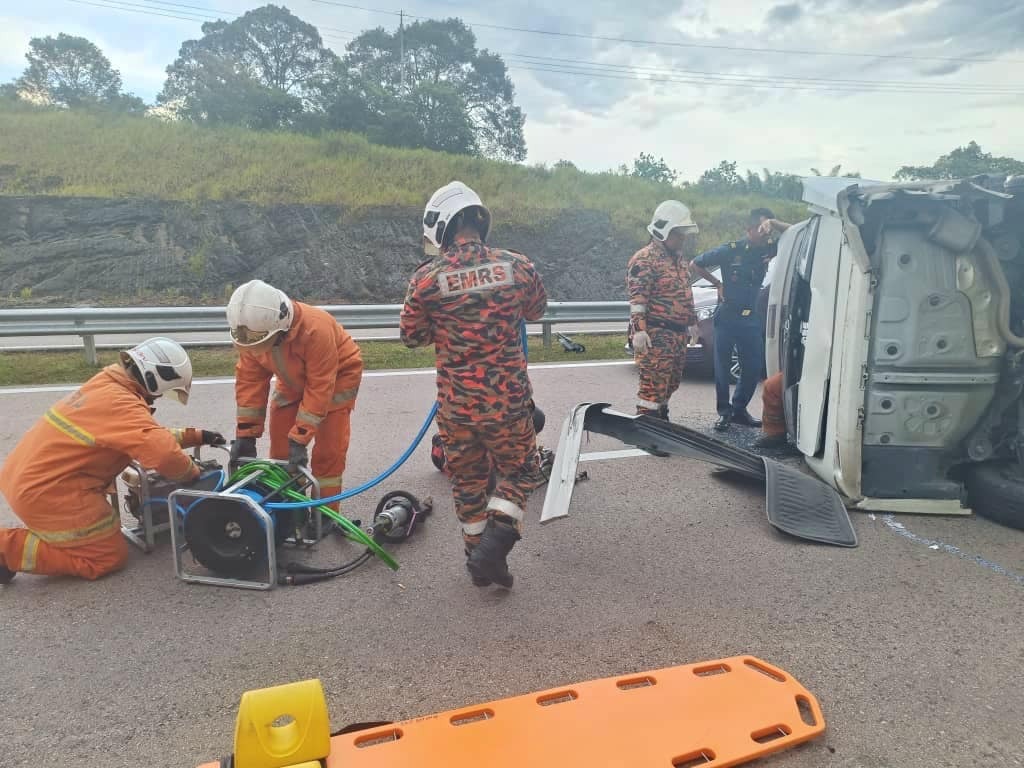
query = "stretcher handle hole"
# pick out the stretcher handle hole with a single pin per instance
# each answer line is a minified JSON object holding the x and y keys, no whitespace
{"x":766,"y":671}
{"x":472,"y":717}
{"x":806,"y":711}
{"x":711,"y":670}
{"x":636,"y":682}
{"x":561,"y":697}
{"x":774,"y":733}
{"x":694,"y":759}
{"x":282,"y":721}
{"x":378,"y":738}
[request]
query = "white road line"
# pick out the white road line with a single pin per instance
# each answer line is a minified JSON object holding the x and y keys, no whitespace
{"x":626,"y":453}
{"x":901,"y":529}
{"x":367,"y":375}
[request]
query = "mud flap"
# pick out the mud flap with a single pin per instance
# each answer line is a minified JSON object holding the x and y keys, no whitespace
{"x":805,"y":507}
{"x":797,"y":504}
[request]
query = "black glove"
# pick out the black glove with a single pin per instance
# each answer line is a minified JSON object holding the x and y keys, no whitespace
{"x":216,"y":438}
{"x":298,"y":455}
{"x":242,"y":447}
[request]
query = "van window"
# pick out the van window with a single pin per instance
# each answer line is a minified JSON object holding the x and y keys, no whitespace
{"x":805,"y":248}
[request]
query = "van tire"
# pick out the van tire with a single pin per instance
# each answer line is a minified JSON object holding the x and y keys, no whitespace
{"x":995,"y":490}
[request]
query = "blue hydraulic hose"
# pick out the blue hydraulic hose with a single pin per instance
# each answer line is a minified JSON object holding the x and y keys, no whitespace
{"x":387,"y":472}
{"x":369,"y":483}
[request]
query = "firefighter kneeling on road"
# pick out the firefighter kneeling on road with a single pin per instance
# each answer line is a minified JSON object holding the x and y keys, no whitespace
{"x":661,"y":305}
{"x":58,"y":477}
{"x":318,"y":368}
{"x":469,"y":302}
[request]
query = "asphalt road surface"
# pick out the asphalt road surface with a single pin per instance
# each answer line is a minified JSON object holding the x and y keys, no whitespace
{"x":912,"y":643}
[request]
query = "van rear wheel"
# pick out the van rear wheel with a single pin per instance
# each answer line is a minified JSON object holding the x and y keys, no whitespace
{"x":996,"y":491}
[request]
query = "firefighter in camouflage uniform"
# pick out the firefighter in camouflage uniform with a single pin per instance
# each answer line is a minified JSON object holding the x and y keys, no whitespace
{"x":661,"y":305}
{"x":469,"y":300}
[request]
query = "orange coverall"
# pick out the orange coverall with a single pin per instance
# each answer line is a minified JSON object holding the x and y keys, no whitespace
{"x":773,"y":416}
{"x":318,"y":368}
{"x":661,"y":303}
{"x":57,"y":477}
{"x":469,"y":303}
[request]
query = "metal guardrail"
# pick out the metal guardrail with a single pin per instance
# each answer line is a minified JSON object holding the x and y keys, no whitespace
{"x":90,"y":322}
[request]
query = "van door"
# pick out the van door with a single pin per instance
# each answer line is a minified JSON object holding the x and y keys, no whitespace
{"x":818,"y":268}
{"x":780,"y":275}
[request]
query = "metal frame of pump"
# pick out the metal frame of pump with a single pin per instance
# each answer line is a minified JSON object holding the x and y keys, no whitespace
{"x":253,"y":486}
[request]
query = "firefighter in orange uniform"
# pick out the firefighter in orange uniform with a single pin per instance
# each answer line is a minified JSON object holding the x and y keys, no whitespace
{"x":773,"y":416}
{"x":469,"y":302}
{"x":57,"y":478}
{"x":661,"y":305}
{"x":318,"y":368}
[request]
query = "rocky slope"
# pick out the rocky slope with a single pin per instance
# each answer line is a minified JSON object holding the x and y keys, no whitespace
{"x":69,"y":251}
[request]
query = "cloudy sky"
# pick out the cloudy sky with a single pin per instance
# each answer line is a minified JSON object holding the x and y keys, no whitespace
{"x":871,"y":84}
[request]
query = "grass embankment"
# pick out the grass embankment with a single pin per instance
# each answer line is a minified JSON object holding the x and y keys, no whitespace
{"x":69,"y":367}
{"x":82,"y":154}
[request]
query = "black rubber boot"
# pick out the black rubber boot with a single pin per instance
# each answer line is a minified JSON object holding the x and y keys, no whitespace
{"x":478,"y":581}
{"x":6,"y":575}
{"x":744,"y":419}
{"x":487,"y":560}
{"x":770,"y":441}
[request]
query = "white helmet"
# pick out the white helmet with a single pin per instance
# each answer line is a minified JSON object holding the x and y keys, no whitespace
{"x":444,"y":204}
{"x":256,"y":311}
{"x":162,"y":368}
{"x":669,"y":215}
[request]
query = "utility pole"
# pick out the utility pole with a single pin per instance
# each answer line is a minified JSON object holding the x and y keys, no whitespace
{"x":401,"y":55}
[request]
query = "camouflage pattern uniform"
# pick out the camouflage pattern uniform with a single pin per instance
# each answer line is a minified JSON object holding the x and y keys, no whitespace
{"x":469,"y":302}
{"x":661,"y":303}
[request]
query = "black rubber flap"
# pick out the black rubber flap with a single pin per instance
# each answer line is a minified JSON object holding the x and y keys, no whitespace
{"x":661,"y":437}
{"x":805,"y":507}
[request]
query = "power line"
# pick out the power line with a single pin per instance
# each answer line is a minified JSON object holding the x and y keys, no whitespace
{"x":743,"y":79}
{"x":370,"y":10}
{"x":673,"y":44}
{"x":153,"y":8}
{"x":234,"y":14}
{"x":821,"y":87}
{"x":194,"y":7}
{"x":149,"y":12}
{"x":531,"y":58}
{"x":583,"y":68}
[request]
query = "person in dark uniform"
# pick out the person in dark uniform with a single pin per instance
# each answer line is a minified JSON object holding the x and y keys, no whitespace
{"x":738,"y":323}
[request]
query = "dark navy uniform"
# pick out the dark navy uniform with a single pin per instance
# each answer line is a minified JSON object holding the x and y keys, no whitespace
{"x":738,"y":322}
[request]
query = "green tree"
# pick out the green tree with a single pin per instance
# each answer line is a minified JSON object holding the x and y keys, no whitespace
{"x":835,"y":172}
{"x":784,"y":185}
{"x":961,"y":163}
{"x":458,"y":98}
{"x":646,"y":167}
{"x":69,"y":71}
{"x":722,"y":179}
{"x":262,"y":70}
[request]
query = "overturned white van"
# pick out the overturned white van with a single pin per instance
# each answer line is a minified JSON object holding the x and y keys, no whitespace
{"x":895,"y":317}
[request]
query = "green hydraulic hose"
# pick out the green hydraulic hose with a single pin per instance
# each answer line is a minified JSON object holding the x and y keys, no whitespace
{"x":275,"y":478}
